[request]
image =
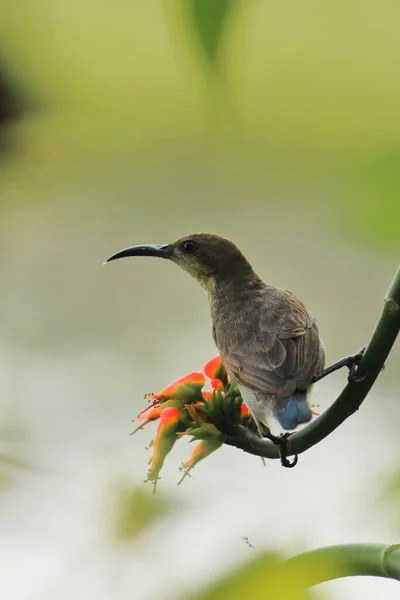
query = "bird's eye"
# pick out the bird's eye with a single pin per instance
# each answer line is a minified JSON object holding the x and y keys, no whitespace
{"x":188,"y":246}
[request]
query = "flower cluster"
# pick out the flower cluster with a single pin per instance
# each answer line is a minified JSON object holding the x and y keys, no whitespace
{"x":185,"y":408}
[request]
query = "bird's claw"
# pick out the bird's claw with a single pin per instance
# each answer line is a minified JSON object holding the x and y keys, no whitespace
{"x":351,"y":362}
{"x":353,"y":367}
{"x":282,"y":442}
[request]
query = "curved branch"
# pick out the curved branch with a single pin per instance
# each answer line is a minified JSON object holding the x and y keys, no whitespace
{"x":344,"y":560}
{"x":350,"y":399}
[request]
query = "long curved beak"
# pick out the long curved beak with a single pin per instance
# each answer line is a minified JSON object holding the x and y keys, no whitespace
{"x":162,"y":251}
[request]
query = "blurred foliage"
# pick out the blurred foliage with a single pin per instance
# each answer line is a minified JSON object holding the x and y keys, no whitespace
{"x":371,"y":201}
{"x":303,"y":102}
{"x":209,"y":18}
{"x":263,"y":578}
{"x":302,"y":96}
{"x":8,"y":464}
{"x":10,"y":437}
{"x":135,"y":510}
{"x":11,"y":108}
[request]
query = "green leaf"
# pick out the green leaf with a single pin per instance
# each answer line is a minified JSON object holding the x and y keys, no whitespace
{"x":134,"y":510}
{"x":209,"y":18}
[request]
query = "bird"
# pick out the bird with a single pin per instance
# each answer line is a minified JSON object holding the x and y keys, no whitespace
{"x":267,"y":338}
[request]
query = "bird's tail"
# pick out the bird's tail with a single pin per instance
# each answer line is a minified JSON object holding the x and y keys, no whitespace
{"x":293,"y":410}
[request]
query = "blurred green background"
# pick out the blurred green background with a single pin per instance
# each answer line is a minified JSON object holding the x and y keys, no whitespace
{"x":273,"y":123}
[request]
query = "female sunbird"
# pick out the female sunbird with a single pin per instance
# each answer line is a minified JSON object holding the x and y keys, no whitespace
{"x":268,"y":339}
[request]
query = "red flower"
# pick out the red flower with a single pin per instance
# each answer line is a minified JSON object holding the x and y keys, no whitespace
{"x":245,"y":413}
{"x":187,"y":388}
{"x":207,"y":395}
{"x":164,"y":441}
{"x":215,"y":370}
{"x":184,"y":408}
{"x":203,"y":449}
{"x":216,"y":384}
{"x":151,"y":413}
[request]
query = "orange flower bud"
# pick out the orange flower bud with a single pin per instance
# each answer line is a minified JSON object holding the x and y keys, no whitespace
{"x":149,"y":414}
{"x":203,"y":449}
{"x":244,"y":411}
{"x":163,"y":442}
{"x":217,"y":384}
{"x":187,"y":388}
{"x":214,"y":369}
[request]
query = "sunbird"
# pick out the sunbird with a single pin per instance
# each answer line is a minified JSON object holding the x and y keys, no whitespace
{"x":267,"y":338}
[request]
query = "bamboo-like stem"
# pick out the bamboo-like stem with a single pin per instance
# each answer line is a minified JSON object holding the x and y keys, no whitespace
{"x":350,"y":399}
{"x":344,"y":560}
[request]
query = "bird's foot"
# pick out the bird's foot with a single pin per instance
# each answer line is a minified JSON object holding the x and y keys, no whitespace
{"x":353,"y":367}
{"x":351,"y":362}
{"x":282,"y":441}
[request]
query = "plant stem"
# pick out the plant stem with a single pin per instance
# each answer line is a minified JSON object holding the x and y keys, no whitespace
{"x":350,"y":399}
{"x":344,"y":560}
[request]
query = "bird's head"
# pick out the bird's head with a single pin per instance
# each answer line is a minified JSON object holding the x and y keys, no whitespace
{"x":206,"y":256}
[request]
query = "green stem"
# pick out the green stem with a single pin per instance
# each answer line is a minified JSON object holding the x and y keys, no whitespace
{"x":350,"y":399}
{"x":345,"y":560}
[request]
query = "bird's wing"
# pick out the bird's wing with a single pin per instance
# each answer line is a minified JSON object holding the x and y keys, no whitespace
{"x":281,"y":348}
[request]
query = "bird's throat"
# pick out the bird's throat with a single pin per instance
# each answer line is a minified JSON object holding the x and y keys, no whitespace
{"x":233,"y":296}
